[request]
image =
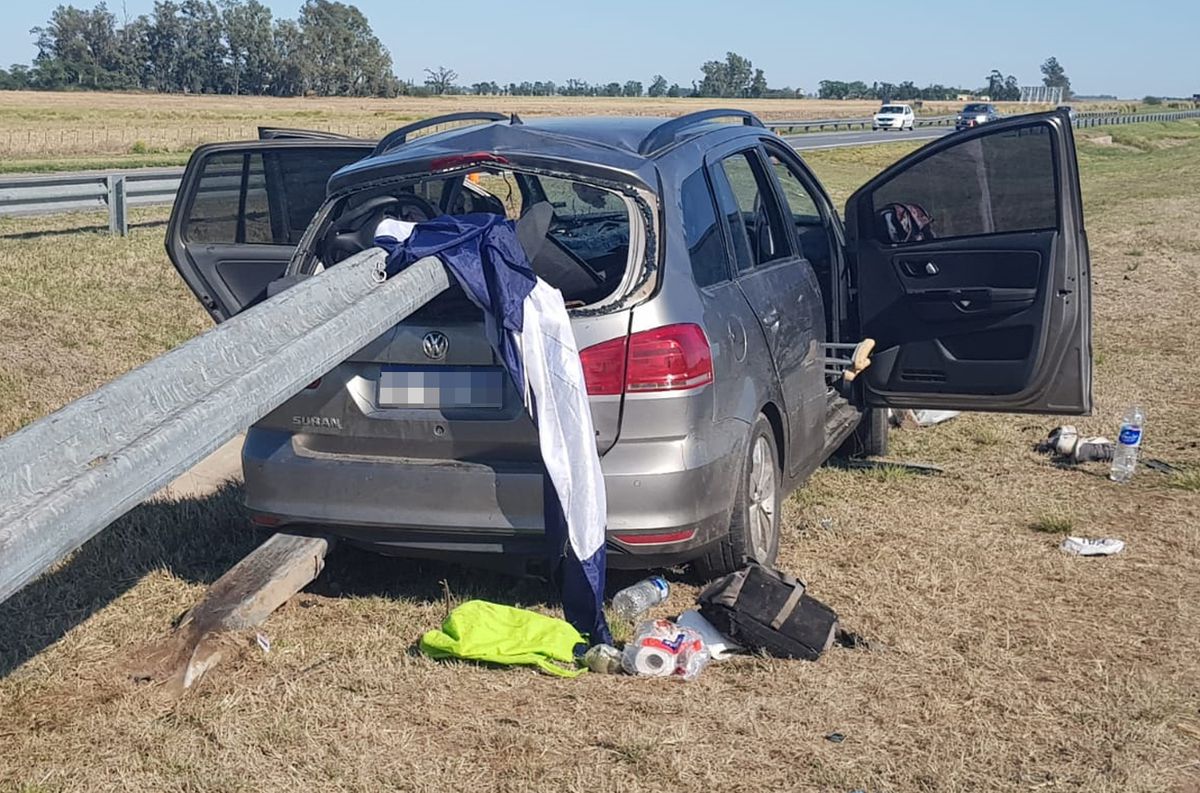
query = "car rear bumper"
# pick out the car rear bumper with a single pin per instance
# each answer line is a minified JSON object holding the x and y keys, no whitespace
{"x":668,"y":499}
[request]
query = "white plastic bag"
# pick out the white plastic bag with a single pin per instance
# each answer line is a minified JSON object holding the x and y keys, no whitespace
{"x":660,"y":648}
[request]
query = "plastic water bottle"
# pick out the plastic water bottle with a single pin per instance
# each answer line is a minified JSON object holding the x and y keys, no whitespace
{"x":634,"y":601}
{"x":1128,"y":440}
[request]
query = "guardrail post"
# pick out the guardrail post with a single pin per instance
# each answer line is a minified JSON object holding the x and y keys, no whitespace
{"x":118,"y":216}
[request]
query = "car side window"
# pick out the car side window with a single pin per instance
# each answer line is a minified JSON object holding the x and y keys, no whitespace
{"x":997,"y":183}
{"x":801,"y":205}
{"x":752,"y":217}
{"x":706,"y":249}
{"x":261,"y":197}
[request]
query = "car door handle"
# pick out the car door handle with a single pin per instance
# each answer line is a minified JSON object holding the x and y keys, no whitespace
{"x":919,"y":268}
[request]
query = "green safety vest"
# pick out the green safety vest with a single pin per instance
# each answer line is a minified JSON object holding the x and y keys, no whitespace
{"x":481,"y":631}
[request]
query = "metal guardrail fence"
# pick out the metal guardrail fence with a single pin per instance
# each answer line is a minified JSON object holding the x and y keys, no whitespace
{"x":1085,"y":118}
{"x":115,"y":191}
{"x":1100,"y":119}
{"x":65,"y":477}
{"x":849,"y":123}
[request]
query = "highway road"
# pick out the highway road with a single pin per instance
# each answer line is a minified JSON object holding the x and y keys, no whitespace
{"x":838,"y":140}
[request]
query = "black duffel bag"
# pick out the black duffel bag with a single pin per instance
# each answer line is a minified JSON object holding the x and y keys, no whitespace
{"x":765,"y":609}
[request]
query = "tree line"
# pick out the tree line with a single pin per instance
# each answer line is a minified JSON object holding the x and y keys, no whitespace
{"x":997,"y":86}
{"x":198,"y":46}
{"x":239,"y":47}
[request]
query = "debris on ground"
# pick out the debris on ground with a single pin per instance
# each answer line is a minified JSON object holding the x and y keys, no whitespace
{"x":1162,"y":466}
{"x":634,"y":601}
{"x":264,"y":643}
{"x":1084,"y":546}
{"x":915,"y":419}
{"x":719,"y":646}
{"x":1129,"y":442}
{"x":1066,"y":446}
{"x":835,"y":737}
{"x":769,"y":610}
{"x":660,"y":648}
{"x":754,"y":609}
{"x":496,"y":634}
{"x":603,"y":659}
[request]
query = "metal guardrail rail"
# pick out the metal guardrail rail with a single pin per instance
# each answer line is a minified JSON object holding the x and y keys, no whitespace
{"x":65,"y":477}
{"x":1086,"y":118}
{"x":849,"y":123}
{"x":116,"y":191}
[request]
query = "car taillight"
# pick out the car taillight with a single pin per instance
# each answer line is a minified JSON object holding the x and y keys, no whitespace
{"x":604,"y":367}
{"x":671,"y":358}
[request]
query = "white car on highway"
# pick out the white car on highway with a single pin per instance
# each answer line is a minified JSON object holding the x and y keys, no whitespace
{"x":894,"y":117}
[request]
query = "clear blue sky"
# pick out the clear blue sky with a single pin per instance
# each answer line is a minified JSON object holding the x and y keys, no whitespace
{"x":1128,"y":49}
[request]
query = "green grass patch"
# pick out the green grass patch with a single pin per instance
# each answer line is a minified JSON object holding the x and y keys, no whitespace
{"x":1188,"y":480}
{"x":159,"y":159}
{"x":1052,"y":523}
{"x":887,"y":474}
{"x":985,"y":435}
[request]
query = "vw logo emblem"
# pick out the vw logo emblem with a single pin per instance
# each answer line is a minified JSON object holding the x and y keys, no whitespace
{"x":435,"y":344}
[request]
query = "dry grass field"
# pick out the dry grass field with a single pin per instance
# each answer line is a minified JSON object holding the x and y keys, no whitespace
{"x":71,"y":131}
{"x":998,"y":663}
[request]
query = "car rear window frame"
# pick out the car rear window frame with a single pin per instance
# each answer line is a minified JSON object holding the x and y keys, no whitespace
{"x":641,"y":271}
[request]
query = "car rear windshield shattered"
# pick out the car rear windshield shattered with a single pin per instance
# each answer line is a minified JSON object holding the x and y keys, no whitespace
{"x":584,"y":230}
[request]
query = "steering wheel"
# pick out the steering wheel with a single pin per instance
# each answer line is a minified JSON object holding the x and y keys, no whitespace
{"x":350,"y":220}
{"x":355,"y":231}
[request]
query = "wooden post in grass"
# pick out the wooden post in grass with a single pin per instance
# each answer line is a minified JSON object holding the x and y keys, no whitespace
{"x":243,"y":598}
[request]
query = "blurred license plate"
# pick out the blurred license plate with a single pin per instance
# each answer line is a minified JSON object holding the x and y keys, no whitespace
{"x":441,"y":387}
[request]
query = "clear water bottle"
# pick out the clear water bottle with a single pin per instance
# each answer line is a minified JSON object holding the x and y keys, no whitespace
{"x":1128,"y":440}
{"x":634,"y":601}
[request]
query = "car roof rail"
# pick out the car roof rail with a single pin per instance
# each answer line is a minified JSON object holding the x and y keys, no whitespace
{"x":665,"y":133}
{"x":398,"y":137}
{"x":287,"y":133}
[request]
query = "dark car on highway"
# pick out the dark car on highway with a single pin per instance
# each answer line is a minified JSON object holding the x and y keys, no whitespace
{"x":975,"y":114}
{"x":706,"y":273}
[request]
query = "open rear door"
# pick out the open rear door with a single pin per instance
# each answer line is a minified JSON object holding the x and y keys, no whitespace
{"x":242,"y":208}
{"x":971,"y":265}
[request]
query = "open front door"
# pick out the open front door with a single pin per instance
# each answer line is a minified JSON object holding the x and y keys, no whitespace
{"x":971,"y":265}
{"x":242,"y":208}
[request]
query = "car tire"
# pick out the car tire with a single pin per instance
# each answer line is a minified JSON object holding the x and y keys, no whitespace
{"x":754,"y":521}
{"x":870,"y":437}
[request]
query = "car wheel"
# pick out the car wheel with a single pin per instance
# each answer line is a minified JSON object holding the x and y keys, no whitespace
{"x":870,"y":437}
{"x":754,"y":521}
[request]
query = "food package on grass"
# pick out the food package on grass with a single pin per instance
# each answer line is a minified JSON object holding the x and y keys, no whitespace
{"x":660,"y":648}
